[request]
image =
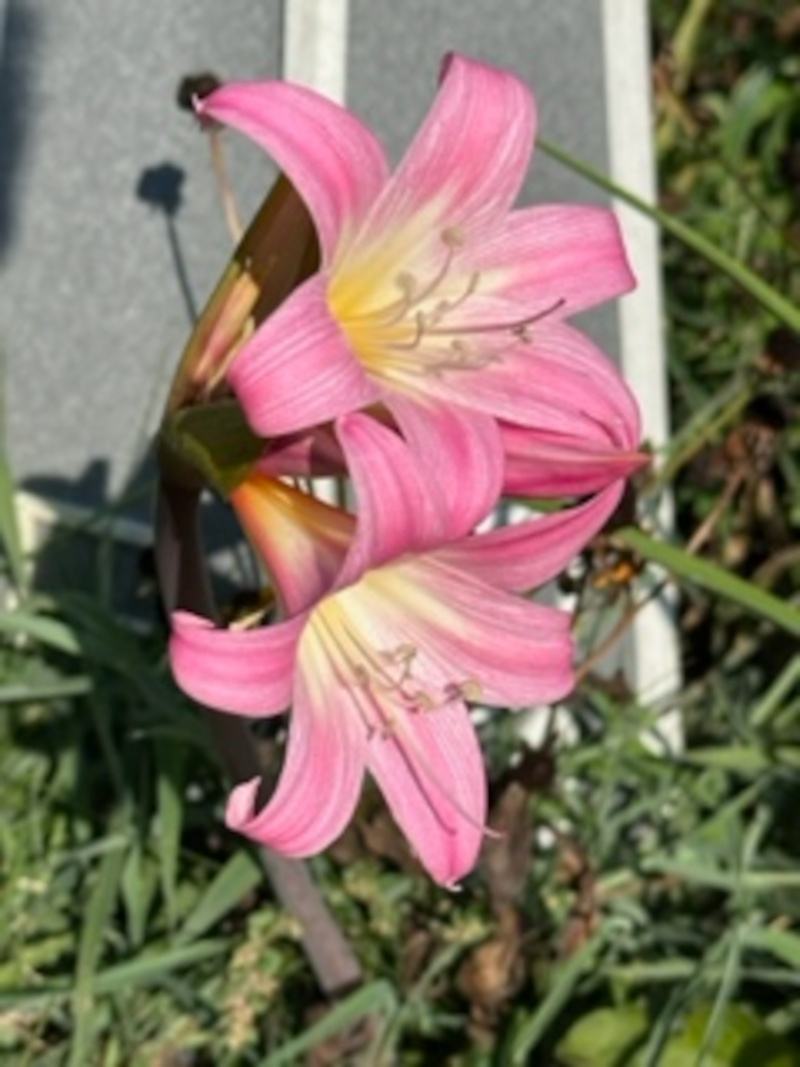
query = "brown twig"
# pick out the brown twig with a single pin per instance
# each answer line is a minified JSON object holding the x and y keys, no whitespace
{"x":617,"y":633}
{"x":706,"y":528}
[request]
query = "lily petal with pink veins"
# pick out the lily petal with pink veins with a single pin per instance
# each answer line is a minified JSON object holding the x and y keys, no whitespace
{"x":378,"y":668}
{"x":409,"y":501}
{"x":461,"y":451}
{"x":543,"y":464}
{"x":558,"y":382}
{"x":472,"y":637}
{"x":299,"y":367}
{"x":469,"y":158}
{"x":431,"y":772}
{"x":248,"y":672}
{"x":322,"y":772}
{"x":567,"y":257}
{"x":429,"y":281}
{"x":333,"y":160}
{"x":528,"y":554}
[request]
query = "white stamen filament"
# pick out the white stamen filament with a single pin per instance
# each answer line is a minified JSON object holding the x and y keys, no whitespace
{"x":393,"y":337}
{"x":381,"y":685}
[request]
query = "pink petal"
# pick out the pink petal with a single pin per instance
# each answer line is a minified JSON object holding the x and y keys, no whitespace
{"x":431,"y":772}
{"x":559,"y":382}
{"x":566,"y":256}
{"x":460,"y":453}
{"x":542,"y":464}
{"x":396,"y":512}
{"x":321,"y":778}
{"x":526,"y":555}
{"x":244,"y":671}
{"x":469,"y":635}
{"x":332,"y":158}
{"x":311,"y":454}
{"x":298,"y":370}
{"x":574,"y":372}
{"x":470,"y":155}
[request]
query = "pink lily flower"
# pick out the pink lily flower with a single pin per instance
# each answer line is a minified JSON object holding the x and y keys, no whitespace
{"x":393,"y":621}
{"x":430,"y":285}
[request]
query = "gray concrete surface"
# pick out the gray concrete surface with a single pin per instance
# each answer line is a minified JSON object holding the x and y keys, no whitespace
{"x":110,"y":227}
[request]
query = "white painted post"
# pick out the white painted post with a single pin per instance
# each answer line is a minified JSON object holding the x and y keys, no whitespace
{"x":315,"y":45}
{"x":654,"y":647}
{"x":315,"y":55}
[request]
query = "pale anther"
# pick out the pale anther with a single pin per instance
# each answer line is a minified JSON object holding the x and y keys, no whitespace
{"x":453,"y":236}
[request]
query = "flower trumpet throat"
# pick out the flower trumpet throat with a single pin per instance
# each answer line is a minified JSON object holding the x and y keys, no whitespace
{"x":423,"y":327}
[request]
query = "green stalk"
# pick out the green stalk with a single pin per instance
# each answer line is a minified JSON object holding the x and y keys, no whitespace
{"x":712,"y":577}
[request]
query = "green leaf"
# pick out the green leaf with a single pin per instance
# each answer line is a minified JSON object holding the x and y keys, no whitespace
{"x":10,"y":538}
{"x":96,"y":920}
{"x":44,"y":692}
{"x":152,"y":968}
{"x":754,"y":99}
{"x":138,"y":888}
{"x":169,"y":793}
{"x":603,"y":1038}
{"x":772,"y":702}
{"x":377,"y":998}
{"x":239,"y":875}
{"x":713,"y":578}
{"x":142,"y":970}
{"x":743,"y":1040}
{"x":215,"y":440}
{"x":781,"y":943}
{"x":530,"y":1031}
{"x":744,"y":759}
{"x":700,"y":872}
{"x":9,"y":527}
{"x":47,"y":631}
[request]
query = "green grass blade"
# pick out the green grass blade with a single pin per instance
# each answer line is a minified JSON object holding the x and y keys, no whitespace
{"x":95,"y":923}
{"x":41,"y":628}
{"x":377,"y":998}
{"x":781,"y":943}
{"x":681,"y":969}
{"x":239,"y":875}
{"x":729,"y":881}
{"x":745,"y":759}
{"x":137,"y":888}
{"x":10,"y":537}
{"x":143,"y":970}
{"x":713,"y":578}
{"x":169,"y":793}
{"x":44,"y":692}
{"x":752,"y":283}
{"x":531,"y":1031}
{"x":772,"y":702}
